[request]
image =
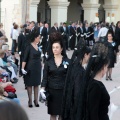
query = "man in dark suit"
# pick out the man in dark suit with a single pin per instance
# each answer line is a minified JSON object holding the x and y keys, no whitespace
{"x":87,"y":33}
{"x":72,"y":36}
{"x":28,"y":30}
{"x":80,"y":32}
{"x":21,"y":48}
{"x":54,"y":28}
{"x":64,"y":32}
{"x":43,"y":33}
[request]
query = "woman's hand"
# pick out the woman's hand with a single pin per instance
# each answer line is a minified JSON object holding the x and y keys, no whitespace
{"x":42,"y":93}
{"x":23,"y":71}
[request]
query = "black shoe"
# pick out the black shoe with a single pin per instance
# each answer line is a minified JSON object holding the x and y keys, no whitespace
{"x":25,"y":87}
{"x":110,"y":78}
{"x":15,"y":80}
{"x":36,"y":104}
{"x":107,"y":78}
{"x":30,"y":105}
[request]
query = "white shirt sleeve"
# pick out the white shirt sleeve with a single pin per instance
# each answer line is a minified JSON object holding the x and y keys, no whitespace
{"x":1,"y":62}
{"x":99,"y":34}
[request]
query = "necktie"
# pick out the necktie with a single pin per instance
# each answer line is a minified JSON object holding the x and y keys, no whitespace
{"x":82,"y":30}
{"x":41,"y":30}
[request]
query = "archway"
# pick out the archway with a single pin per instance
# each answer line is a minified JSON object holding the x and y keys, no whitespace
{"x":75,"y":11}
{"x":101,"y":11}
{"x":44,"y":12}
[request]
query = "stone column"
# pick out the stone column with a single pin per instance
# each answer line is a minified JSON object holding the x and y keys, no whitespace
{"x":58,"y":10}
{"x":90,"y":10}
{"x":111,"y":10}
{"x":33,"y":10}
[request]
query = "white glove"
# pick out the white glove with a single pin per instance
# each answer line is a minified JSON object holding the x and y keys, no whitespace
{"x":42,"y":55}
{"x":62,"y":33}
{"x":46,"y":55}
{"x":20,"y":53}
{"x":43,"y":94}
{"x":82,"y":35}
{"x":24,"y":72}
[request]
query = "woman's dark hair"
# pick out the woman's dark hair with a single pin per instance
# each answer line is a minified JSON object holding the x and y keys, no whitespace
{"x":56,"y":37}
{"x":117,"y":23}
{"x":11,"y":111}
{"x":82,"y":49}
{"x":110,"y":32}
{"x":34,"y":34}
{"x":98,"y":59}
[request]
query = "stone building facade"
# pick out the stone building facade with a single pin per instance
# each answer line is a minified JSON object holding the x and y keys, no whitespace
{"x":52,"y":11}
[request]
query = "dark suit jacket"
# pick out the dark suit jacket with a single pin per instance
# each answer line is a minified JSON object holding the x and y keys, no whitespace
{"x":80,"y":31}
{"x":61,"y":30}
{"x":72,"y":31}
{"x":117,"y":35}
{"x":22,"y":43}
{"x":53,"y":29}
{"x":88,"y":32}
{"x":43,"y":34}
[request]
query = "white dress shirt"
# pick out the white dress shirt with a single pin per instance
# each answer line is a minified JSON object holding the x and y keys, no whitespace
{"x":15,"y":34}
{"x":103,"y":32}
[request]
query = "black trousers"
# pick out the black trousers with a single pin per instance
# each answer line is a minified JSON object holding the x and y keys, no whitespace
{"x":65,"y":40}
{"x":14,"y":45}
{"x":72,"y":42}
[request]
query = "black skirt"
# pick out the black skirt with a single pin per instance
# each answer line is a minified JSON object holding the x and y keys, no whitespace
{"x":55,"y":101}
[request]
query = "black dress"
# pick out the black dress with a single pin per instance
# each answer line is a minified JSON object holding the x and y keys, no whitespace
{"x":54,"y":80}
{"x":33,"y":66}
{"x":112,"y":50}
{"x":98,"y":101}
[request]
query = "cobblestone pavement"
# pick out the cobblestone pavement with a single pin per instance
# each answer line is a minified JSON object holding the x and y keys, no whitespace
{"x":41,"y":112}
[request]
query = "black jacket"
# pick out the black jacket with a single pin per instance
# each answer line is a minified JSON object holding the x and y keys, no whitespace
{"x":117,"y":35}
{"x":53,"y":76}
{"x":43,"y":33}
{"x":21,"y":43}
{"x":72,"y":31}
{"x":61,"y":30}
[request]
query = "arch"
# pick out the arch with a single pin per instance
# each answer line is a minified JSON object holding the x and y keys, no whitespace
{"x":76,"y":14}
{"x":44,"y":11}
{"x":101,"y":10}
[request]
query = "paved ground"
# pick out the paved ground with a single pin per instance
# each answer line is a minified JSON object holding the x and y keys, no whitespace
{"x":41,"y":112}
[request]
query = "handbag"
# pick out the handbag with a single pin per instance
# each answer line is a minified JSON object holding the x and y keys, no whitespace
{"x":11,"y":95}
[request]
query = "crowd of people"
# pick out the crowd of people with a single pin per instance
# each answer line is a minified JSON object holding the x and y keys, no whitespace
{"x":68,"y":86}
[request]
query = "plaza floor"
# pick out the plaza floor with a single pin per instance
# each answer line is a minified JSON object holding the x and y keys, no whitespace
{"x":41,"y":112}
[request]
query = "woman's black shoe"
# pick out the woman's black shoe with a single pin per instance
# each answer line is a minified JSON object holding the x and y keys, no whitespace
{"x":107,"y":78}
{"x":36,"y":104}
{"x":110,"y":78}
{"x":30,"y":105}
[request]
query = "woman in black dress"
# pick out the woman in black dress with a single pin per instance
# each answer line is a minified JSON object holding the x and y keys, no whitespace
{"x":31,"y":67}
{"x":112,"y":51}
{"x":54,"y":75}
{"x":74,"y":79}
{"x":93,"y":97}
